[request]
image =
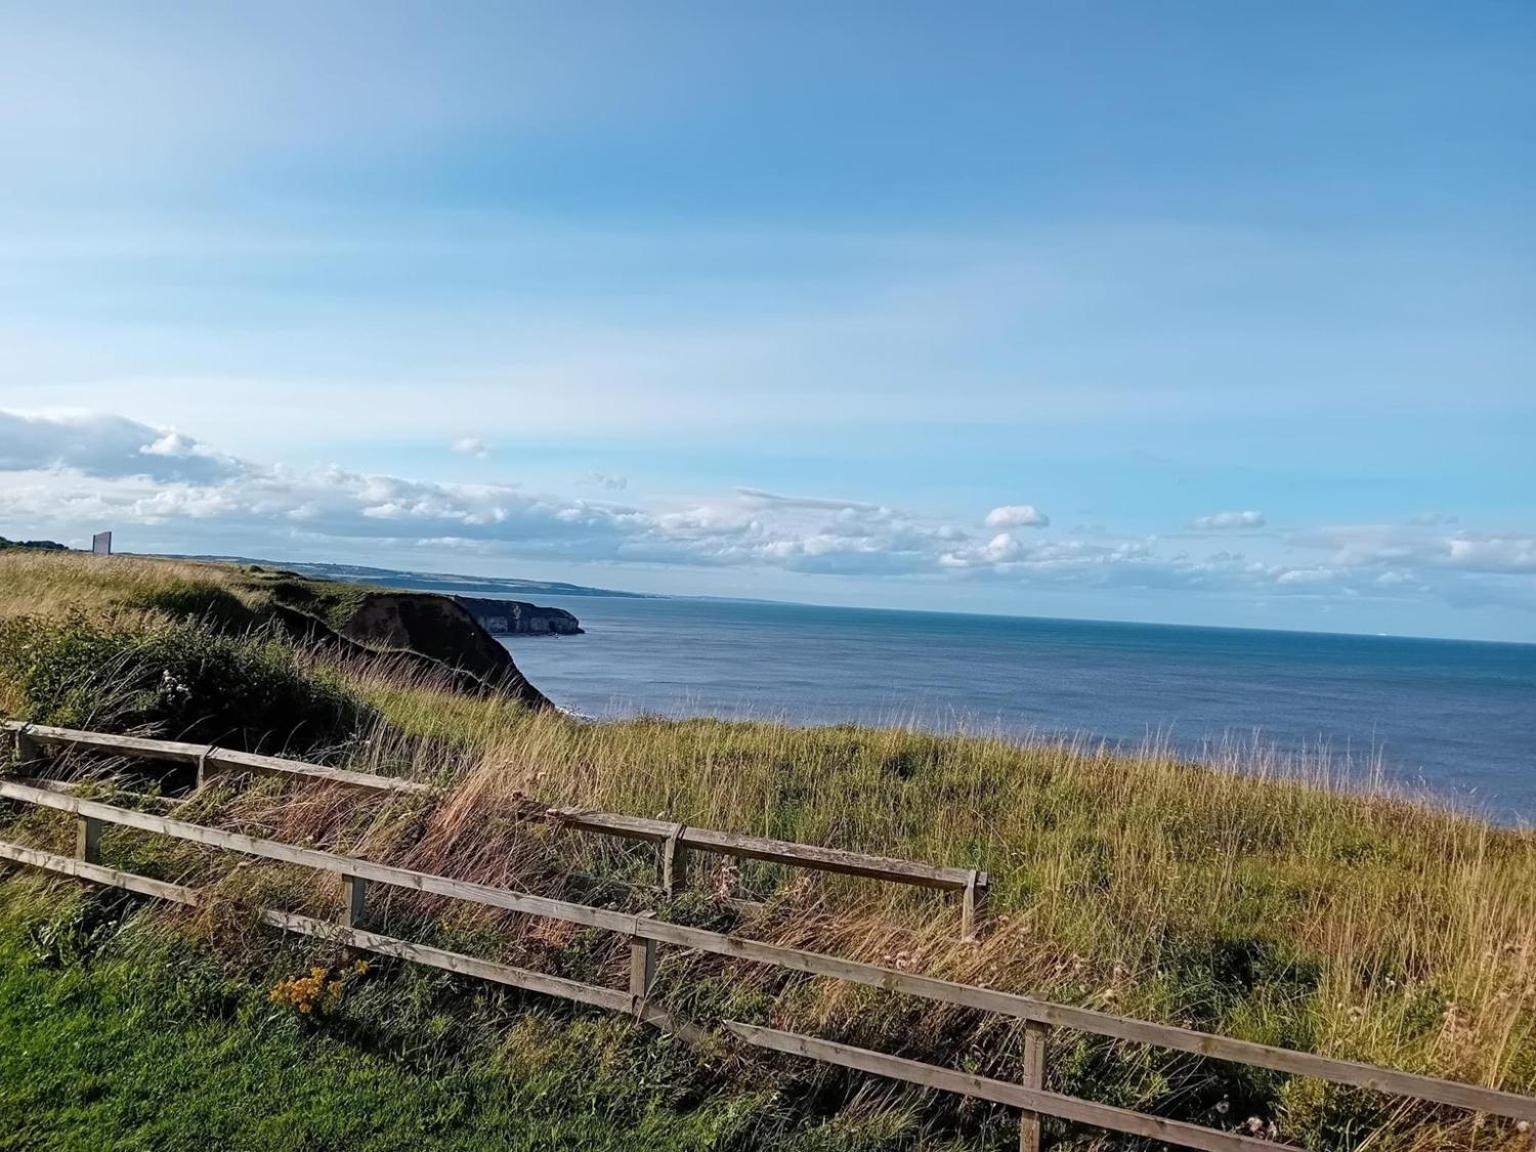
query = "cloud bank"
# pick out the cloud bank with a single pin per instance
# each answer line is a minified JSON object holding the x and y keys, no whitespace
{"x":76,"y":472}
{"x":95,"y":444}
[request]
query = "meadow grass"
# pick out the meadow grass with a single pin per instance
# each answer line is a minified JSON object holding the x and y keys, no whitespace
{"x":1259,"y":897}
{"x":58,"y":584}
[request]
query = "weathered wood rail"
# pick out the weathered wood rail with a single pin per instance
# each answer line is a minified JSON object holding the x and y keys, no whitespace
{"x":672,"y":840}
{"x":1032,"y":1101}
{"x":631,"y":1001}
{"x":645,"y":932}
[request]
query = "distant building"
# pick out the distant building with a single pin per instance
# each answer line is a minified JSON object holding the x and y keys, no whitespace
{"x":101,"y":543}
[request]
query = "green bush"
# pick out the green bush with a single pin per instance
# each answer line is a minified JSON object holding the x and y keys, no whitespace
{"x":183,"y":680}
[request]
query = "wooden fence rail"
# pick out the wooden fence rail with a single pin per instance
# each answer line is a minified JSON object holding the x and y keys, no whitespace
{"x":1030,"y":1100}
{"x":645,"y":931}
{"x":354,"y":937}
{"x":672,"y":840}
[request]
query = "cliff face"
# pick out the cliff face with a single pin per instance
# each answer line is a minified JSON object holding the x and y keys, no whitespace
{"x":427,"y":630}
{"x":519,"y":618}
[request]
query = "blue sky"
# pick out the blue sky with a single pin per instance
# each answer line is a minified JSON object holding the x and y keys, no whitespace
{"x":791,"y":301}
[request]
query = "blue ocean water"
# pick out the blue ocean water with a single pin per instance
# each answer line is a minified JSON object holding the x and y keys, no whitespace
{"x":1458,"y":718}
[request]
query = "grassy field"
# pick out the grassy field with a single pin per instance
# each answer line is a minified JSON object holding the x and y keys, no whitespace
{"x":119,"y":1032}
{"x":1257,"y":898}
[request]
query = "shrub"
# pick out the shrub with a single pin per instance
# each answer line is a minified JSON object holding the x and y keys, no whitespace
{"x":184,"y":680}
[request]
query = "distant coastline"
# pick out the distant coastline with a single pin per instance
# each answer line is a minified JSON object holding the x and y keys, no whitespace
{"x":490,"y":586}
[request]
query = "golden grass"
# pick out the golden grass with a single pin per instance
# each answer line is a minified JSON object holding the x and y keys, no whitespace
{"x":56,"y":584}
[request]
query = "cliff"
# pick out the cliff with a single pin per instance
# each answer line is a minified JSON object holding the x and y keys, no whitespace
{"x":519,"y":618}
{"x":422,"y":628}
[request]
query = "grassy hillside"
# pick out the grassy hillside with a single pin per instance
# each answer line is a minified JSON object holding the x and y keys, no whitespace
{"x":420,"y":632}
{"x":1253,"y":899}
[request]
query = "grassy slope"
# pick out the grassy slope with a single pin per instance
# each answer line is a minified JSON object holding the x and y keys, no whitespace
{"x":54,"y":585}
{"x":1252,"y":903}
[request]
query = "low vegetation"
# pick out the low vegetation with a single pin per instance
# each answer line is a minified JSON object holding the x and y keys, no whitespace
{"x":31,"y":545}
{"x":1287,"y":902}
{"x":181,"y":676}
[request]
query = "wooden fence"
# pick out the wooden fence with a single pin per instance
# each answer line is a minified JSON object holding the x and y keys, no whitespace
{"x":646,"y":933}
{"x":672,"y":840}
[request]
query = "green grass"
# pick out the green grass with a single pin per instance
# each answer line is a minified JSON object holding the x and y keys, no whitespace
{"x":120,"y":1033}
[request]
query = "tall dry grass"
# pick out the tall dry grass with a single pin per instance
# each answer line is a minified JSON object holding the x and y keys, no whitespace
{"x":54,"y":584}
{"x":1289,"y":900}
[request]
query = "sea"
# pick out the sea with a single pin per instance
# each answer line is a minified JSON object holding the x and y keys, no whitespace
{"x":1455,"y":719}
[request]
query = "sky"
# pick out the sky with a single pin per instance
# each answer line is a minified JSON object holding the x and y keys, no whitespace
{"x":1191,"y":313}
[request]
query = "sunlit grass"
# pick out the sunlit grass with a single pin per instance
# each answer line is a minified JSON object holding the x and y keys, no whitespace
{"x":61,"y":583}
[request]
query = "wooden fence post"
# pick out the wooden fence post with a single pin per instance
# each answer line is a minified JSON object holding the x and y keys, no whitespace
{"x":673,"y":863}
{"x":354,"y":891}
{"x":1035,"y":1036}
{"x":642,"y":969}
{"x":973,"y":903}
{"x":203,"y":775}
{"x":88,"y":839}
{"x":29,"y":754}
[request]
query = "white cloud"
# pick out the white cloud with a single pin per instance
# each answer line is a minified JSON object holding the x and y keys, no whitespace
{"x":1002,"y":547}
{"x":1221,"y":521}
{"x":471,"y":446}
{"x":1302,"y":576}
{"x":609,"y":480}
{"x":90,"y":470}
{"x":1483,"y":553}
{"x":173,"y":443}
{"x":1017,"y":516}
{"x":774,"y":499}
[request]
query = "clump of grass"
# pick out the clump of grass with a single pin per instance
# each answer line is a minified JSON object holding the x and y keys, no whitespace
{"x":333,"y":603}
{"x":424,"y":632}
